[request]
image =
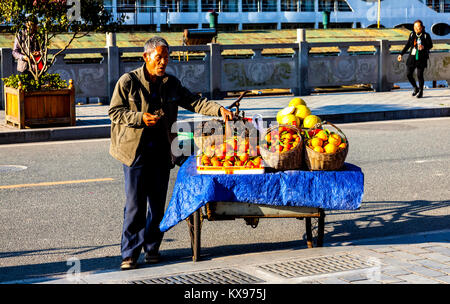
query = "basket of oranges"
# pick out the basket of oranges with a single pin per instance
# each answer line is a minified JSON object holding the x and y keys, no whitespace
{"x":324,"y":149}
{"x":282,"y":147}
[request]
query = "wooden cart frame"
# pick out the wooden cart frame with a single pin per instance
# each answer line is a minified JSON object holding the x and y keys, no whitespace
{"x":251,"y":213}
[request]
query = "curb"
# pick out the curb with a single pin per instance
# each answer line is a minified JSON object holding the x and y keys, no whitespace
{"x":55,"y":134}
{"x":103,"y":131}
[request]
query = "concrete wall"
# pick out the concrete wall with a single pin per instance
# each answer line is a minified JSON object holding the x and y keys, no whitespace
{"x":213,"y":74}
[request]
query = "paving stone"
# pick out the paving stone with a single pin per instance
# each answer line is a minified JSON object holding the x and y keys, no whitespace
{"x":397,"y":271}
{"x":445,"y":279}
{"x":425,"y":271}
{"x":437,"y":257}
{"x":387,"y":279}
{"x":440,"y":249}
{"x":417,"y":279}
{"x":366,"y":282}
{"x":402,"y":255}
{"x":415,"y":249}
{"x":432,"y":264}
{"x":332,"y":280}
{"x":354,"y":277}
{"x":384,"y":249}
{"x":371,"y":254}
{"x":391,"y":261}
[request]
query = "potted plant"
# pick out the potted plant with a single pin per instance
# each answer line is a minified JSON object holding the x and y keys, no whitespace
{"x":37,"y":97}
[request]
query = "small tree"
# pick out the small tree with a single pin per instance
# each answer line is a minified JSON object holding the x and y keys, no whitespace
{"x":53,"y":17}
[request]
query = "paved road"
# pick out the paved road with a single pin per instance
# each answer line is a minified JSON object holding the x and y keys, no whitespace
{"x":79,"y":212}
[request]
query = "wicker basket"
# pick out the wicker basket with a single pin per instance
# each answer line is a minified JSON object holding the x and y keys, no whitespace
{"x":316,"y":161}
{"x":289,"y":160}
{"x":203,"y":140}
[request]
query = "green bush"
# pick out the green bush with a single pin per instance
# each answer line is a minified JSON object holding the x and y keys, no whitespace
{"x":46,"y":82}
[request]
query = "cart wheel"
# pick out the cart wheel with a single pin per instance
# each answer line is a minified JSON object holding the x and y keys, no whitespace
{"x":194,"y":224}
{"x":315,"y":227}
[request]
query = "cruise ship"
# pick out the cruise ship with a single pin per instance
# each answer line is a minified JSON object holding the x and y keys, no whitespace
{"x":165,"y":15}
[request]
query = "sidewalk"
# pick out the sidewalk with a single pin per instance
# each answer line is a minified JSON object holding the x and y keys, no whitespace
{"x":93,"y":121}
{"x":421,"y":258}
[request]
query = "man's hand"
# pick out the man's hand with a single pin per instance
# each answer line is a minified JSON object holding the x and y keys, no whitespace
{"x":226,"y":114}
{"x":399,"y":58}
{"x":149,"y":119}
{"x":421,"y":47}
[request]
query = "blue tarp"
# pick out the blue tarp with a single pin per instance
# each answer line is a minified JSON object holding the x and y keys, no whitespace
{"x":332,"y":190}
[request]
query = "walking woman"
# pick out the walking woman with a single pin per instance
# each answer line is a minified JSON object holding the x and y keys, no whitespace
{"x":419,"y":44}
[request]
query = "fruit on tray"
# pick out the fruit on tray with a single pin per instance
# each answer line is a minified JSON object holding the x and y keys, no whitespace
{"x":235,"y":152}
{"x":282,"y":139}
{"x":324,"y":141}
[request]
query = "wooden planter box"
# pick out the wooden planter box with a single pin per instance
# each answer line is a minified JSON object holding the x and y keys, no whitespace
{"x":37,"y":108}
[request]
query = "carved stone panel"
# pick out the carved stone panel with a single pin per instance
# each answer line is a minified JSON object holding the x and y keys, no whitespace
{"x":90,"y":80}
{"x":438,"y":68}
{"x":193,"y":75}
{"x":342,"y":70}
{"x":247,"y":74}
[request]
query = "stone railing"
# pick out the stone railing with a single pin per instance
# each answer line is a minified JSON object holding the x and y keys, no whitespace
{"x":211,"y":72}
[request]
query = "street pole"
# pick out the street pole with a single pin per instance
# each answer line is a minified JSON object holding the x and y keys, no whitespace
{"x":379,"y":6}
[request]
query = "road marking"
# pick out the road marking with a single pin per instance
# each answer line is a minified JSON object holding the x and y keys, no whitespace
{"x":46,"y":184}
{"x":421,"y":161}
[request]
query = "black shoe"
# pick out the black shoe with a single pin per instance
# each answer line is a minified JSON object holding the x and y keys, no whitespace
{"x":416,"y":90}
{"x":420,"y":95}
{"x":128,"y":263}
{"x":152,"y":258}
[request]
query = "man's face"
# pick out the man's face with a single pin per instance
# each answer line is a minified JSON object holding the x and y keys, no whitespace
{"x":156,"y":61}
{"x":418,"y":28}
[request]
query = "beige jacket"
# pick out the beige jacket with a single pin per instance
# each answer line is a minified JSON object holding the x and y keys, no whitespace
{"x":129,"y":103}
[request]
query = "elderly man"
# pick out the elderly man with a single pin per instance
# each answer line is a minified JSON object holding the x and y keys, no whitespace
{"x":143,"y":108}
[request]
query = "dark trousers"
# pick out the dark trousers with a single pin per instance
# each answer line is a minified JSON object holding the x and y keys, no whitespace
{"x":146,"y":182}
{"x":409,"y":74}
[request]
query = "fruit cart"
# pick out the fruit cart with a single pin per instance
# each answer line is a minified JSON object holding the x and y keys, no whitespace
{"x":228,"y":180}
{"x":299,"y":194}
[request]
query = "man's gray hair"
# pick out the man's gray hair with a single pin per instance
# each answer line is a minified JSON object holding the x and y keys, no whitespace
{"x":154,"y":42}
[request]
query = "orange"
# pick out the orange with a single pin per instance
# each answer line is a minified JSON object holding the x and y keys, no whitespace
{"x":322,"y":135}
{"x":342,"y":146}
{"x":318,"y":149}
{"x":335,"y":139}
{"x":330,"y":148}
{"x":315,"y":142}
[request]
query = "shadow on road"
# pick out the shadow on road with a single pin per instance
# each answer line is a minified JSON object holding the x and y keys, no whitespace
{"x":373,"y":220}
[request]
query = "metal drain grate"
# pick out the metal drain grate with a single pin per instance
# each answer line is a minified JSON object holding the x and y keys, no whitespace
{"x":316,"y":266}
{"x":224,"y":276}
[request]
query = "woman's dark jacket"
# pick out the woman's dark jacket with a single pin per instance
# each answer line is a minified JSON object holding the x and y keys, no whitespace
{"x":423,"y":54}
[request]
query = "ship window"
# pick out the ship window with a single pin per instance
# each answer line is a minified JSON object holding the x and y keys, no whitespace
{"x":251,"y":5}
{"x":307,"y":5}
{"x":229,"y":6}
{"x":146,"y":6}
{"x":447,"y":6}
{"x":126,"y":6}
{"x":441,"y":6}
{"x":208,"y":5}
{"x":269,"y":5}
{"x":288,"y":5}
{"x":334,"y":5}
